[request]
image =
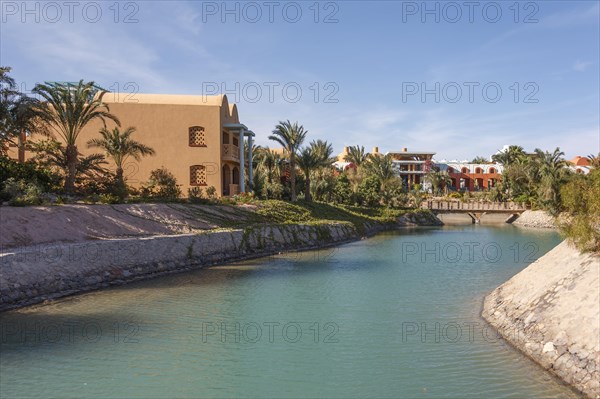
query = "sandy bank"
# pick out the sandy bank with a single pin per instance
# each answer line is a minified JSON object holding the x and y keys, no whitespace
{"x":539,"y":219}
{"x":25,"y":226}
{"x":551,"y":312}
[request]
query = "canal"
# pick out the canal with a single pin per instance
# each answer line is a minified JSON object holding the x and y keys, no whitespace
{"x":396,"y":315}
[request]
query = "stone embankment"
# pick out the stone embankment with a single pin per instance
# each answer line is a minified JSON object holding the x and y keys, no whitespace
{"x":53,"y":252}
{"x":539,"y":219}
{"x":34,"y":274}
{"x":551,"y":312}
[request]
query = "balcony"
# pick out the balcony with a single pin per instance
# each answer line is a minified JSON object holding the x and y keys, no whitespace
{"x":230,"y":152}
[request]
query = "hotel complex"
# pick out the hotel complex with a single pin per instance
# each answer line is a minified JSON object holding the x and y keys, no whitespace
{"x":197,"y":138}
{"x":413,"y":166}
{"x":201,"y":140}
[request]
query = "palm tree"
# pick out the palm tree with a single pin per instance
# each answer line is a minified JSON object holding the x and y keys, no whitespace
{"x":594,"y":160}
{"x":510,"y":156}
{"x":24,"y":119}
{"x":119,"y":146}
{"x":438,"y":180}
{"x":52,"y":154}
{"x":68,"y":109}
{"x":480,"y":159}
{"x":553,"y":172}
{"x":308,"y":160}
{"x":318,"y":155}
{"x":382,"y":168}
{"x":8,"y":90}
{"x":290,"y":137}
{"x":324,"y":151}
{"x":356,"y":155}
{"x":268,"y":161}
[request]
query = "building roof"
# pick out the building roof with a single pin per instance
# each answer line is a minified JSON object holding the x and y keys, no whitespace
{"x":412,"y":152}
{"x":170,"y":99}
{"x":580,"y":161}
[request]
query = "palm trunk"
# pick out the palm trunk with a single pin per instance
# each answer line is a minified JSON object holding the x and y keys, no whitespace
{"x":307,"y":194}
{"x":21,"y":146}
{"x":71,"y":168}
{"x":293,"y":176}
{"x":120,"y":184}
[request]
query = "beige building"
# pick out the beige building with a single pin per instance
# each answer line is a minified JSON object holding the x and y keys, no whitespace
{"x":198,"y":138}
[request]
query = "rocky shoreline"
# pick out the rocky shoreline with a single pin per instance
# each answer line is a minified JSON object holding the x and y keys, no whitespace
{"x":46,"y":271}
{"x":551,"y":312}
{"x":537,"y":219}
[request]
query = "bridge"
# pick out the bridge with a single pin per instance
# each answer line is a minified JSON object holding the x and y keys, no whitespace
{"x":476,"y":210}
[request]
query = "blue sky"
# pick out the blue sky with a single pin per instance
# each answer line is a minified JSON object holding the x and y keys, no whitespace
{"x":360,"y":66}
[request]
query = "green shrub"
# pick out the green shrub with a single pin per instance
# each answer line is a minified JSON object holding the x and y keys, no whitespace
{"x":22,"y":193}
{"x":580,"y":199}
{"x":109,"y":199}
{"x":283,"y":212}
{"x":162,"y":186}
{"x":211,"y":193}
{"x":29,"y":172}
{"x":195,"y":195}
{"x":244,"y":198}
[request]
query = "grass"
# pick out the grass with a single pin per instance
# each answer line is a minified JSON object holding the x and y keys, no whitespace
{"x":273,"y":211}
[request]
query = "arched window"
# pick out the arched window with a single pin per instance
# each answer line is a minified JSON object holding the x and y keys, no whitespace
{"x":198,"y":175}
{"x":464,"y":170}
{"x":492,"y":170}
{"x":478,"y":170}
{"x":197,"y":138}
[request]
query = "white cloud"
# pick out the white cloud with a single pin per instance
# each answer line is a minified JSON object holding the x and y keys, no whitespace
{"x":581,"y":66}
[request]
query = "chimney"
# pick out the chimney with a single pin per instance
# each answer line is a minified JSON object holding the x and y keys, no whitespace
{"x":375,"y":150}
{"x":404,"y":149}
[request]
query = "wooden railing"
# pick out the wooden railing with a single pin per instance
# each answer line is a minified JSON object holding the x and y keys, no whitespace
{"x":473,"y":206}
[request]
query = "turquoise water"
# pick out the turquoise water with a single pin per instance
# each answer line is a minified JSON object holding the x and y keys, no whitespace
{"x":393,"y":316}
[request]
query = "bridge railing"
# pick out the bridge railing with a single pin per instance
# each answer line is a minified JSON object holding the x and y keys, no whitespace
{"x":438,"y":205}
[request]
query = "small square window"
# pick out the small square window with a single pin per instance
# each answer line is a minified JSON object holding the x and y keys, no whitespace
{"x":197,"y":138}
{"x":198,"y":175}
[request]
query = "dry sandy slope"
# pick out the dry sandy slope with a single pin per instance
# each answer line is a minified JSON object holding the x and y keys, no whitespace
{"x":25,"y":226}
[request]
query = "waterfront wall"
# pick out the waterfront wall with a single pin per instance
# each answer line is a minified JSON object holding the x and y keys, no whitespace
{"x":34,"y":274}
{"x":111,"y":245}
{"x":551,"y":312}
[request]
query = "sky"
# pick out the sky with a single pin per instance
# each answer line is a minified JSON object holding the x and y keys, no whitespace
{"x":461,"y":79}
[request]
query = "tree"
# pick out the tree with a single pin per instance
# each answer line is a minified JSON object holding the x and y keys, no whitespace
{"x":580,"y":198}
{"x":480,"y":159}
{"x":317,"y":155}
{"x":268,"y":161}
{"x":439,"y":180}
{"x":119,"y":146}
{"x":356,"y":155}
{"x":510,"y":156}
{"x":594,"y":160}
{"x":25,"y":120}
{"x":67,"y":109}
{"x":8,"y":91}
{"x":290,"y":137}
{"x":382,"y":168}
{"x":53,"y":155}
{"x":308,"y":160}
{"x":18,"y":115}
{"x":553,"y":174}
